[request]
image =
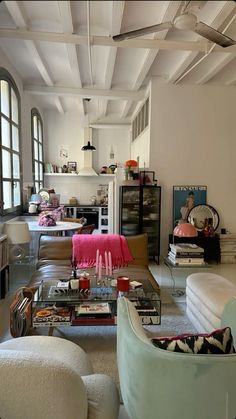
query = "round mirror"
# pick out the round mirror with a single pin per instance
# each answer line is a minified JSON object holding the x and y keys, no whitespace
{"x":202,"y":215}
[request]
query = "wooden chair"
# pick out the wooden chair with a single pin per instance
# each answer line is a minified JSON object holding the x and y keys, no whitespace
{"x":81,"y":220}
{"x":86,"y":229}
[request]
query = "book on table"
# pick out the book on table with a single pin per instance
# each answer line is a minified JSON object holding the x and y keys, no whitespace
{"x":186,"y":249}
{"x":185,"y":261}
{"x":93,"y":313}
{"x":186,"y":254}
{"x":93,"y":309}
{"x":52,"y":316}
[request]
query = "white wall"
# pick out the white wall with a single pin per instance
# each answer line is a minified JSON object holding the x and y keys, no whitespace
{"x":82,"y":188}
{"x":193,"y":143}
{"x":120,"y":141}
{"x":63,"y":130}
{"x":140,"y":148}
{"x":66,"y":129}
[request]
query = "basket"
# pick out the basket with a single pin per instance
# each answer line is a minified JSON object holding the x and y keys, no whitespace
{"x":21,"y":312}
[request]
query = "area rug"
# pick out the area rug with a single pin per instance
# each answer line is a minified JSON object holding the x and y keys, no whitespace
{"x":100,"y":341}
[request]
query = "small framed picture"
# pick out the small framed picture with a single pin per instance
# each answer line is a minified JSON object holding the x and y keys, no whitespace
{"x":72,"y":166}
{"x":184,"y":199}
{"x":146,"y":177}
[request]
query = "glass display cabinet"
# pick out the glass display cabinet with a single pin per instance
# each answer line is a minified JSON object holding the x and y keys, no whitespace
{"x":140,"y":208}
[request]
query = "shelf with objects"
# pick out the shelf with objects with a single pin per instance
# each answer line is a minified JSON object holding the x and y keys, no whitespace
{"x":140,"y":208}
{"x":77,"y":175}
{"x":184,"y":254}
{"x":205,"y":220}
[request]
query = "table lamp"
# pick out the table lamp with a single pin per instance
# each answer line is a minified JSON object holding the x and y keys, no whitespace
{"x":182,"y":230}
{"x":18,"y":234}
{"x":185,"y":230}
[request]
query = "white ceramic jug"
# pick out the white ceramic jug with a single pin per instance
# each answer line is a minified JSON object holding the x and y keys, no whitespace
{"x":32,"y":208}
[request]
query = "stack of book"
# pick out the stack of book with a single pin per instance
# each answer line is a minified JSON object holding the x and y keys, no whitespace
{"x":183,"y":254}
{"x":93,"y":313}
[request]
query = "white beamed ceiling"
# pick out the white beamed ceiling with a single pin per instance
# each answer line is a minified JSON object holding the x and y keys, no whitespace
{"x":48,"y":44}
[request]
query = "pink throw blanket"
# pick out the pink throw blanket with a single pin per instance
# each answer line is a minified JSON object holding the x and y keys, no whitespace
{"x":85,"y":247}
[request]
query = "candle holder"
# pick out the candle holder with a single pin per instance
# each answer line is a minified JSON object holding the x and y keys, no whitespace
{"x":97,"y":280}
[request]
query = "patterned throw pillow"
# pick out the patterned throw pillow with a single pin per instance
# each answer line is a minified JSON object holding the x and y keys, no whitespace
{"x":218,"y":342}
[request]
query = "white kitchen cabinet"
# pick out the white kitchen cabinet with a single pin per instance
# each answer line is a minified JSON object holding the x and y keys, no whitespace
{"x":93,"y":214}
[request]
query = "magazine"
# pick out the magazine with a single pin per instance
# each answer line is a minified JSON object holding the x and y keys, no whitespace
{"x":52,"y":316}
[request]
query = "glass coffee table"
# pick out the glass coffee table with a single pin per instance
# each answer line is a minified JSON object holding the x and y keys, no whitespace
{"x":54,"y":307}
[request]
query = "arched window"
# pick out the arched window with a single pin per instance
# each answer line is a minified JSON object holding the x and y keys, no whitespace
{"x":37,"y":147}
{"x":10,"y":145}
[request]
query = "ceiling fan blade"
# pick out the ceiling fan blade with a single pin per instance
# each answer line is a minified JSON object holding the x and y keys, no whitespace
{"x":213,"y":35}
{"x":142,"y":31}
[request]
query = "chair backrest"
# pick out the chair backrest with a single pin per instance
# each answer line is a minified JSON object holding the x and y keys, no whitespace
{"x":81,"y":220}
{"x":86,"y":229}
{"x":171,"y":385}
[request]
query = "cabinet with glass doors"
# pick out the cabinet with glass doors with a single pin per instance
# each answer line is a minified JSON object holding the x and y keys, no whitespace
{"x":140,"y":209}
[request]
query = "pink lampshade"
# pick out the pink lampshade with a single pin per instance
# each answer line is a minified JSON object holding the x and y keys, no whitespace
{"x":185,"y":230}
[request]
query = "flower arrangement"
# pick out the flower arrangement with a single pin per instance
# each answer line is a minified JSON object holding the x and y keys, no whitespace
{"x":130,"y":167}
{"x":131,"y":163}
{"x":47,"y":219}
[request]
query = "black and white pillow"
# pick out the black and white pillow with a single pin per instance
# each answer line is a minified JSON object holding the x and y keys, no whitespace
{"x":220,"y":341}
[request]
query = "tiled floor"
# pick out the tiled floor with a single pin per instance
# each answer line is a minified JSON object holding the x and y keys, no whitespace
{"x":20,"y":274}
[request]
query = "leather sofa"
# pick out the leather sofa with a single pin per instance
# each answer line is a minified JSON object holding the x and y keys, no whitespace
{"x":54,"y":261}
{"x":157,"y":383}
{"x":49,"y":377}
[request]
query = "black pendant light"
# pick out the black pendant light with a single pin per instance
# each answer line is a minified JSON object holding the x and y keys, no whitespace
{"x":88,"y":146}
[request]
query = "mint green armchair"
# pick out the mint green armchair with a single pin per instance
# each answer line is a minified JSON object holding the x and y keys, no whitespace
{"x":158,"y":384}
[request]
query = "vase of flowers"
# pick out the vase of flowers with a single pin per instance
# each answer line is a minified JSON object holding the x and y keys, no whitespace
{"x":131,"y":167}
{"x":47,"y":219}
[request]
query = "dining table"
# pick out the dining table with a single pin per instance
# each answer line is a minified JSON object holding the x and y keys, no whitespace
{"x":59,"y":229}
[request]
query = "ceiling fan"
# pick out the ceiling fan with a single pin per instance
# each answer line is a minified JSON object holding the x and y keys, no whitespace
{"x":185,"y":21}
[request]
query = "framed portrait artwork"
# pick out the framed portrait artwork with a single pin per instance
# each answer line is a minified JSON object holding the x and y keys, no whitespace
{"x":72,"y":166}
{"x":185,"y":198}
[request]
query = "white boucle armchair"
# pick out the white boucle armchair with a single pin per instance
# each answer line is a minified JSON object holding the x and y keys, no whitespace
{"x":49,"y":377}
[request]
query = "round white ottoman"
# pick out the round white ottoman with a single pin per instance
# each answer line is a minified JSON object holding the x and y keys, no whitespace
{"x":206,"y":296}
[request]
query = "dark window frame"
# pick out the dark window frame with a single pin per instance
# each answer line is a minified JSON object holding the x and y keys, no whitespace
{"x":35,"y":112}
{"x":6,"y":76}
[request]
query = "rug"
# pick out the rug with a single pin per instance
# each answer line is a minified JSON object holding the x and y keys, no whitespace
{"x":100,"y":341}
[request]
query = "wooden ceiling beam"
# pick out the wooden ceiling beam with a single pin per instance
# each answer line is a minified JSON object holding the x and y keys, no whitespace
{"x":168,"y":14}
{"x":111,"y":94}
{"x":116,"y":21}
{"x":185,"y":67}
{"x":67,"y":25}
{"x":208,"y":75}
{"x":18,"y":14}
{"x":64,"y":38}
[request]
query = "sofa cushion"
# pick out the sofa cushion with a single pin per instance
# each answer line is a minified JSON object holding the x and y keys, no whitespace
{"x":218,"y":342}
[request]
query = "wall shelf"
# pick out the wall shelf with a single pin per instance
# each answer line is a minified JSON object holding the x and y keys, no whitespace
{"x":76,"y":175}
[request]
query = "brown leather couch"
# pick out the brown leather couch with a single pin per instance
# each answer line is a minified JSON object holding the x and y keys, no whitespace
{"x":55,"y":253}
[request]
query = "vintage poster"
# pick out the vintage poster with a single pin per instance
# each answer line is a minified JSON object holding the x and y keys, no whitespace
{"x":184,"y":199}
